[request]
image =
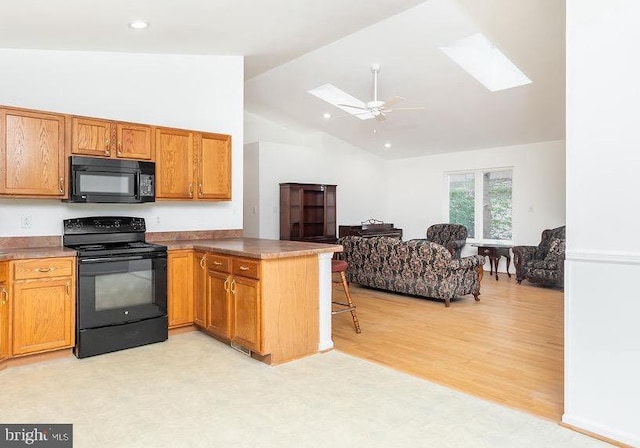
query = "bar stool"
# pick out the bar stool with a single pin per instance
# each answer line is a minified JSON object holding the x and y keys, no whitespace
{"x":338,"y":267}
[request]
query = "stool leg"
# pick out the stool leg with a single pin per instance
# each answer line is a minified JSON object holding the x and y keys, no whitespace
{"x":345,"y":286}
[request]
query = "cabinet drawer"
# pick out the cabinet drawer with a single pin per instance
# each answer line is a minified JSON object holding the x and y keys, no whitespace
{"x":42,"y":267}
{"x":245,"y":268}
{"x":217,"y":263}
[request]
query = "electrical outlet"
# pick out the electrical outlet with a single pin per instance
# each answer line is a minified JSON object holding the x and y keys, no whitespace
{"x":157,"y":219}
{"x":25,"y":221}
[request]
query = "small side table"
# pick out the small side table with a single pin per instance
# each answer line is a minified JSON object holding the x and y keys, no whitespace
{"x":494,"y":252}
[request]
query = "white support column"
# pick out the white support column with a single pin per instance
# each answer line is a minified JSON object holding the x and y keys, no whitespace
{"x":325,"y":342}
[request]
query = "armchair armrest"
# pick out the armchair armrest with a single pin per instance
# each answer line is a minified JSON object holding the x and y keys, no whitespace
{"x":472,"y":261}
{"x":521,"y":255}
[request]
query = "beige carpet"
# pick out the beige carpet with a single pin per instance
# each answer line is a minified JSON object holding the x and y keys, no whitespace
{"x":193,"y":391}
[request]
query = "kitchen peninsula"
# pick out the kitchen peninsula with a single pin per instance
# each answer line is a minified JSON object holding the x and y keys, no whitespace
{"x":268,"y":298}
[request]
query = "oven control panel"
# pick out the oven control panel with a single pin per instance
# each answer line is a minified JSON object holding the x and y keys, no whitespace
{"x":104,"y":224}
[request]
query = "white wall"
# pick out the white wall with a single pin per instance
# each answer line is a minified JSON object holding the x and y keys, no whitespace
{"x":193,"y":92}
{"x":314,"y":158}
{"x":418,"y":189}
{"x":602,"y":333}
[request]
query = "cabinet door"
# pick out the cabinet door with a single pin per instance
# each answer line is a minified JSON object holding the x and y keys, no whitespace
{"x":4,"y":322}
{"x":199,"y":288}
{"x":91,"y":137}
{"x":247,"y":309}
{"x":214,"y":166}
{"x":32,"y":154}
{"x":42,"y":315}
{"x":180,"y":288}
{"x":330,"y":211}
{"x":134,"y":141}
{"x":218,"y":318}
{"x":174,"y":164}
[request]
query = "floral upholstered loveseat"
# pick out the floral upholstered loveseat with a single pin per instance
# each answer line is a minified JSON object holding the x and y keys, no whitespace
{"x":416,"y":267}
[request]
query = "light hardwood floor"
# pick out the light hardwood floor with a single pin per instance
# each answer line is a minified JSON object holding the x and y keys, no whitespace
{"x":507,"y":348}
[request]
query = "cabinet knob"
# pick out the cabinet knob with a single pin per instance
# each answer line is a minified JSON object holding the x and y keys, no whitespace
{"x":5,"y":296}
{"x":119,"y":147}
{"x":226,"y":285}
{"x":204,"y":257}
{"x":61,"y":185}
{"x":200,"y":189}
{"x":44,"y":269}
{"x":233,"y":286}
{"x":217,"y":263}
{"x":244,"y":268}
{"x":106,"y":147}
{"x":190,"y":190}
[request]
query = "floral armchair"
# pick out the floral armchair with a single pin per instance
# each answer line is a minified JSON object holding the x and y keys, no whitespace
{"x":543,"y":263}
{"x":415,"y":267}
{"x":451,"y":236}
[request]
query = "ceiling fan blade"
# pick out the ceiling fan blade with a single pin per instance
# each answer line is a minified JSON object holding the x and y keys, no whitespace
{"x":351,"y":115}
{"x":353,"y":107}
{"x":393,"y":100}
{"x":404,"y":108}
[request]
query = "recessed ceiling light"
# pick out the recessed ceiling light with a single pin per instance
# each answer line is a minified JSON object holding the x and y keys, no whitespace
{"x":326,"y":115}
{"x":138,"y":24}
{"x":387,"y":145}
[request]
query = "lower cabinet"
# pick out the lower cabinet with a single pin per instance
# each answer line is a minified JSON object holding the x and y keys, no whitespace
{"x":246,"y":313}
{"x":218,"y":318}
{"x":4,"y":315}
{"x":180,"y":289}
{"x":199,"y":288}
{"x":234,"y":300}
{"x":42,"y":292}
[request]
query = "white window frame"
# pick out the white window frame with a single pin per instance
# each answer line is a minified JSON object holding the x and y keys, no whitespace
{"x":478,"y":209}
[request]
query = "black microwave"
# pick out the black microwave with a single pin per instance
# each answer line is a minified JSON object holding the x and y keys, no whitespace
{"x":93,"y":179}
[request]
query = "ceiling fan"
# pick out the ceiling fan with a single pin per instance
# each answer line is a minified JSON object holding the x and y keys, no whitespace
{"x":375,"y":108}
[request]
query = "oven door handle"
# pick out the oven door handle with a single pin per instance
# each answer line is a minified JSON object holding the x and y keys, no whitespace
{"x":116,"y":258}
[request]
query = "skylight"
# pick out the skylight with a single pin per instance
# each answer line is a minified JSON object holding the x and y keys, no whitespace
{"x":486,"y":63}
{"x":332,"y":95}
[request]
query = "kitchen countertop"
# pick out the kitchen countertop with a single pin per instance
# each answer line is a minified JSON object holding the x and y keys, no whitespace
{"x":254,"y":247}
{"x":243,"y":247}
{"x":35,"y":252}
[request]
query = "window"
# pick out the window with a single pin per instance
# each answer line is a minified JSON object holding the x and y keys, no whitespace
{"x":481,"y":201}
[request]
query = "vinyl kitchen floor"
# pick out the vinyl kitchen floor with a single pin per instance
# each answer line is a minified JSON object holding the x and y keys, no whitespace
{"x":193,"y":391}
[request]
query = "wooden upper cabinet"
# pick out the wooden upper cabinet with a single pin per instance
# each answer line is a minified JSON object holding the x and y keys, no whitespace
{"x":214,"y":166}
{"x":134,"y":141}
{"x":104,"y":138}
{"x":91,"y":137}
{"x":192,"y":165}
{"x":174,"y":164}
{"x":32,"y":152}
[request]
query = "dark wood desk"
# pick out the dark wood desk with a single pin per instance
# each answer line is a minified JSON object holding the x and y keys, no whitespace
{"x":494,"y":252}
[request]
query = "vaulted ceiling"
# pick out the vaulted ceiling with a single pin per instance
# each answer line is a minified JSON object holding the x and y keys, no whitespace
{"x":291,"y":46}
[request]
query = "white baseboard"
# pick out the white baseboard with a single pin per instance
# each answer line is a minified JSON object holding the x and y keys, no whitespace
{"x":579,"y":423}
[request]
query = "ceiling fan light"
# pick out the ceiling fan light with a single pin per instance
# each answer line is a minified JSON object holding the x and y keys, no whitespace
{"x":326,"y":115}
{"x":387,"y":145}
